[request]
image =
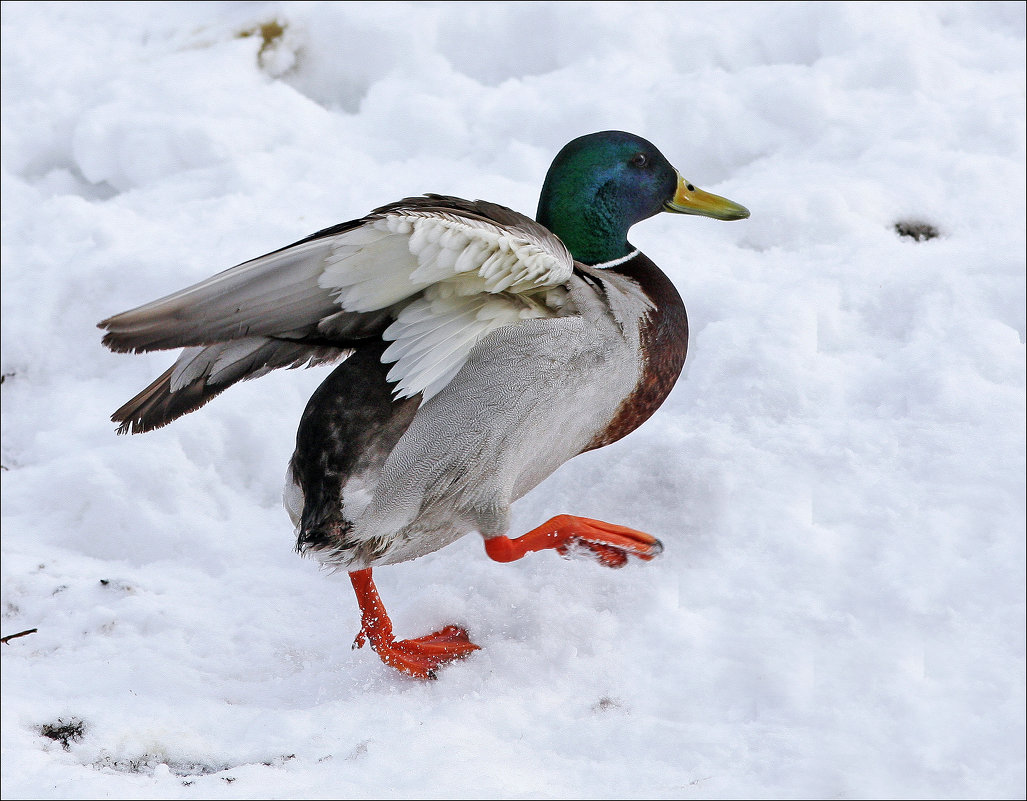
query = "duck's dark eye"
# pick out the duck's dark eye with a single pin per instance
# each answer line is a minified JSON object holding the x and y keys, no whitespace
{"x":640,"y":160}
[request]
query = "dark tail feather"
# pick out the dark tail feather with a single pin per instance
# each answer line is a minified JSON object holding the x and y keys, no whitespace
{"x":203,"y":373}
{"x":157,"y":405}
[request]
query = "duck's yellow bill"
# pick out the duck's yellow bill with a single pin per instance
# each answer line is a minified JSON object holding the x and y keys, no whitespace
{"x":689,"y":199}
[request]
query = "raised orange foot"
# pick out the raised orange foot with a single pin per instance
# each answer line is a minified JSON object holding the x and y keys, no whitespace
{"x":608,"y":544}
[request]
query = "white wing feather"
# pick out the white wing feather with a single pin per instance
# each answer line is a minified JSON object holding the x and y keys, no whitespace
{"x":433,"y":335}
{"x":475,"y":277}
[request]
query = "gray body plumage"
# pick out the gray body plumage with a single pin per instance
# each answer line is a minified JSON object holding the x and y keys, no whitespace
{"x":530,"y":396}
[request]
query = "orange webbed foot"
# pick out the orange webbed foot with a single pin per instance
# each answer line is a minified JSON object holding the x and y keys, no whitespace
{"x":607,"y":543}
{"x":420,"y":657}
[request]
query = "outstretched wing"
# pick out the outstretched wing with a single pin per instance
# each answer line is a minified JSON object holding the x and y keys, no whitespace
{"x":433,"y":275}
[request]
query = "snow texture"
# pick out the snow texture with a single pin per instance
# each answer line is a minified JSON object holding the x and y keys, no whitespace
{"x":838,"y":477}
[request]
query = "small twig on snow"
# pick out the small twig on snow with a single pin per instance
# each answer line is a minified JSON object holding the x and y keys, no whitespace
{"x":10,"y":637}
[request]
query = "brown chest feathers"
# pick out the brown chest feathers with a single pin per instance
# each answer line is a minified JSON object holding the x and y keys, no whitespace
{"x":664,"y":339}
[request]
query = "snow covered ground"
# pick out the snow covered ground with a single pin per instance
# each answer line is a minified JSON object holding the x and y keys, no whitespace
{"x":838,"y":477}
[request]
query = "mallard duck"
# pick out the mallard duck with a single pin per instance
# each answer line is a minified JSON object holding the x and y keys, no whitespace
{"x":480,"y":351}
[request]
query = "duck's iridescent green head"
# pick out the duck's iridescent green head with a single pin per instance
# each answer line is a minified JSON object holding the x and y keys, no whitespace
{"x":601,"y":184}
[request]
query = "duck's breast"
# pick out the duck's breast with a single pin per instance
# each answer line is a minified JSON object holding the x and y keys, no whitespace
{"x":662,"y":346}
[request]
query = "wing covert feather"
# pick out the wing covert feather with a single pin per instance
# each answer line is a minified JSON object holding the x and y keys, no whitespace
{"x":431,"y":274}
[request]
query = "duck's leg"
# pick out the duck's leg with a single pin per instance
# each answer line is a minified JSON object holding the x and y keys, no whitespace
{"x":420,"y":657}
{"x":607,"y":543}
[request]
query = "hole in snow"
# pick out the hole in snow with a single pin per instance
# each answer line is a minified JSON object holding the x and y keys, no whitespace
{"x":63,"y":731}
{"x":916,"y":229}
{"x":605,"y":704}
